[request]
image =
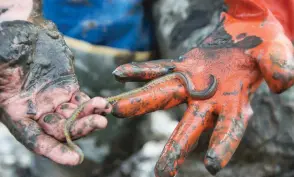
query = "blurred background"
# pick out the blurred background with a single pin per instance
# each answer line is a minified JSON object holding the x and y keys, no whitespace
{"x":104,"y":34}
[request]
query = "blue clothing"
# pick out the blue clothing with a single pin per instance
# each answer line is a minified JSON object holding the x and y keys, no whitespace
{"x":115,"y":23}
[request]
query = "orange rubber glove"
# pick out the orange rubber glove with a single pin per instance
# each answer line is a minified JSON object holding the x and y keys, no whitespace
{"x":216,"y":79}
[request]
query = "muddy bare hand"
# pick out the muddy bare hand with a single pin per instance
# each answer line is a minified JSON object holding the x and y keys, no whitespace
{"x":38,"y":87}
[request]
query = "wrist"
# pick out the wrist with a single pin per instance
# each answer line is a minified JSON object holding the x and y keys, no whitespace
{"x":24,"y":10}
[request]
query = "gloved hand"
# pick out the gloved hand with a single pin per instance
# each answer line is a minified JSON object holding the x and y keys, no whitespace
{"x":216,"y":80}
{"x":39,"y":89}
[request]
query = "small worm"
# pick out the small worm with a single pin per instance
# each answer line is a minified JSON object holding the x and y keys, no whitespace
{"x":200,"y":95}
{"x":68,"y":124}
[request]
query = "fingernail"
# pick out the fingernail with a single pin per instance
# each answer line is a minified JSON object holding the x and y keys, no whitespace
{"x":51,"y":119}
{"x":78,"y":98}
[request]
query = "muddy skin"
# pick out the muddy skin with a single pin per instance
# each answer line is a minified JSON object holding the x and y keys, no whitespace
{"x":17,"y":40}
{"x":26,"y":133}
{"x":37,"y":79}
{"x":51,"y":119}
{"x":3,"y":11}
{"x":43,"y":62}
{"x":31,"y":108}
{"x":27,"y":49}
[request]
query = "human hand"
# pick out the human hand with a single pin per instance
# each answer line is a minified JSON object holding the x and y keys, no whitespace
{"x":39,"y":90}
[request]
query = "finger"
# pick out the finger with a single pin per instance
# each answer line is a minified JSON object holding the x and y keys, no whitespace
{"x":79,"y":98}
{"x":66,"y":109}
{"x":86,"y":125}
{"x":53,"y":124}
{"x":226,"y":137}
{"x":96,"y":105}
{"x":56,"y":151}
{"x":160,"y":96}
{"x":182,"y":140}
{"x":143,"y":71}
{"x":31,"y":135}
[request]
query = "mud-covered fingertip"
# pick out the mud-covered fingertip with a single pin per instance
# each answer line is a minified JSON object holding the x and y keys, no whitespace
{"x":212,"y":162}
{"x":162,"y":170}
